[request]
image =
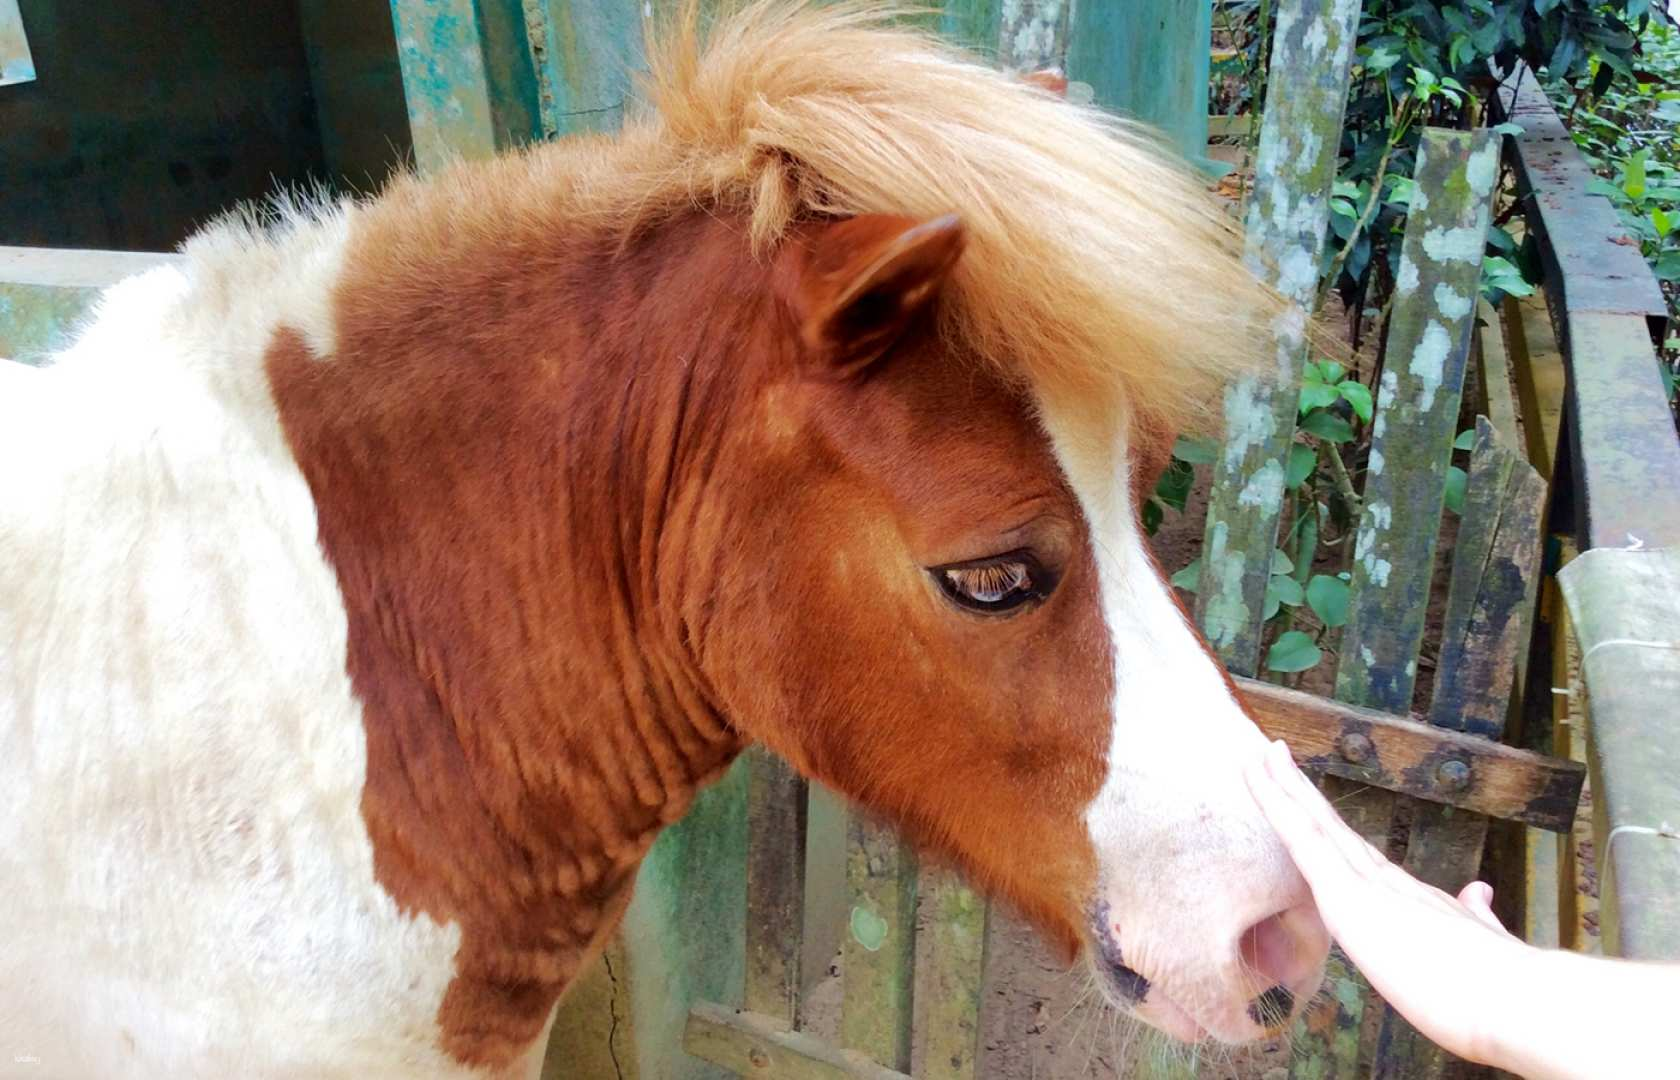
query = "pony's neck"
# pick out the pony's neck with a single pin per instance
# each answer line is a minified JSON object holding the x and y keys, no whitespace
{"x":510,"y":451}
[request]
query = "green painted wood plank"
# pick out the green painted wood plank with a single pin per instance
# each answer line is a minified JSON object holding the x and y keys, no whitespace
{"x":45,"y":292}
{"x":753,"y":1045}
{"x":879,"y":954}
{"x":468,"y":77}
{"x":1490,"y":605}
{"x":1288,"y":215}
{"x":1417,"y":412}
{"x":588,"y":52}
{"x":776,"y":815}
{"x":682,"y":941}
{"x":17,"y":65}
{"x":949,"y":976}
{"x":1149,"y":61}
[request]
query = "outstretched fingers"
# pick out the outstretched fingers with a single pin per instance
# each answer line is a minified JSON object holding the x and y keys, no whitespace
{"x":1308,"y":825}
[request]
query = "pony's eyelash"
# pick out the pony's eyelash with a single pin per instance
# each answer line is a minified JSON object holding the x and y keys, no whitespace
{"x":990,"y":583}
{"x":996,"y":585}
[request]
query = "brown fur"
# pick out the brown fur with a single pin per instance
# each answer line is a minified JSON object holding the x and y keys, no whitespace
{"x":631,"y":451}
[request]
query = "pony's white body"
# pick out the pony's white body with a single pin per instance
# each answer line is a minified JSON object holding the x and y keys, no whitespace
{"x":188,"y":885}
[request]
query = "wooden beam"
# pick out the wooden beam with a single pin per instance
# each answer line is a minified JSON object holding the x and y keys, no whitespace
{"x":755,"y":1045}
{"x":1403,"y":755}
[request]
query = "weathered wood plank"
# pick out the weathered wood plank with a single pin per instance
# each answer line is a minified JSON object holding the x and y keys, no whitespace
{"x":1489,"y":604}
{"x":1490,"y":600}
{"x":1537,"y":368}
{"x":1411,"y":447}
{"x":879,"y":953}
{"x":948,"y":977}
{"x":467,"y":77}
{"x":1288,"y":215}
{"x":1417,"y":411}
{"x":776,"y":802}
{"x":1405,"y":755}
{"x":754,"y":1045}
{"x":1493,"y":375}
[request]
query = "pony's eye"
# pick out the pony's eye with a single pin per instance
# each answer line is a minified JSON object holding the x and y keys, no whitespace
{"x":997,"y":584}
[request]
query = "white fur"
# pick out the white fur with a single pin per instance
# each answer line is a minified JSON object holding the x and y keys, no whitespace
{"x":186,"y":883}
{"x":1186,"y":860}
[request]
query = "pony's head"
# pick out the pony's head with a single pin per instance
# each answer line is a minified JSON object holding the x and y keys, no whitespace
{"x":987,"y":314}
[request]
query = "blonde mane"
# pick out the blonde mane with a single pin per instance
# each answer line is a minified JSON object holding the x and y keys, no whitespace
{"x":1098,"y":267}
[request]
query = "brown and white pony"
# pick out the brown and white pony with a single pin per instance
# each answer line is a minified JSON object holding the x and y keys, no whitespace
{"x":375,"y":585}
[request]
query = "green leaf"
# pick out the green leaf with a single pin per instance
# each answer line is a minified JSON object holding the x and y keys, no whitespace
{"x":1457,"y":482}
{"x":1316,"y":395}
{"x":1301,"y":462}
{"x":1668,"y":266}
{"x":1381,"y":59}
{"x":1286,"y":589}
{"x":1308,"y":543}
{"x":1661,"y":222}
{"x":1292,"y":651}
{"x":1400,"y":193}
{"x":1281,"y":562}
{"x":1330,"y":371}
{"x":1188,"y":577}
{"x":1500,"y":273}
{"x":1328,"y":598}
{"x":1345,"y":189}
{"x":1466,"y":439}
{"x":1633,"y":183}
{"x":1173,"y":488}
{"x":1153,"y":515}
{"x":1358,"y":396}
{"x":1327,"y":426}
{"x":1195,"y":451}
{"x":1508,"y":128}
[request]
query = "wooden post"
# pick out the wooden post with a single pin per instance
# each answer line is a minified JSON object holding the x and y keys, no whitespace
{"x":776,"y":800}
{"x":879,"y":954}
{"x":1288,"y":215}
{"x":948,"y":977}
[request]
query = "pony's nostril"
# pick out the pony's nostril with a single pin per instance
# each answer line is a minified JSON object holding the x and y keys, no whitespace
{"x":1287,"y":948}
{"x":1271,"y":1009}
{"x":1130,"y":984}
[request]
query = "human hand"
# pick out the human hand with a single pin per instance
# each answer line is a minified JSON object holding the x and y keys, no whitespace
{"x":1445,"y":963}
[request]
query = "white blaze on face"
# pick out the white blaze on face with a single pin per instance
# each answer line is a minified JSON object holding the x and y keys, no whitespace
{"x":1186,"y":862}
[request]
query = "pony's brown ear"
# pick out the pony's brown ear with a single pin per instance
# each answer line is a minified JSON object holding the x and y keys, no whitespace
{"x":859,"y":282}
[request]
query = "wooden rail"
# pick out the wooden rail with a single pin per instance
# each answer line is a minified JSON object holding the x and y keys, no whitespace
{"x":1618,"y":462}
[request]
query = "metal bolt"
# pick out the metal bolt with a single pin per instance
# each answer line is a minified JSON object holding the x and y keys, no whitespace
{"x":757,"y":1058}
{"x":1454,"y":775}
{"x":1356,"y":748}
